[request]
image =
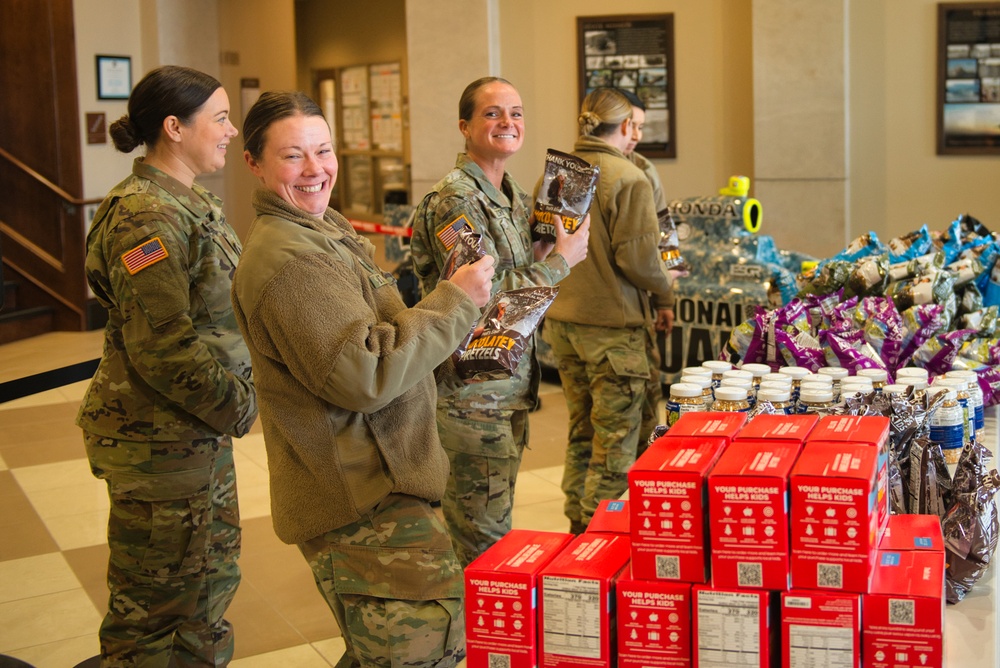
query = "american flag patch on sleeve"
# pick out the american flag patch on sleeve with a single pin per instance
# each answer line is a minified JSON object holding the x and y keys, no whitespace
{"x":140,"y":257}
{"x":449,"y":234}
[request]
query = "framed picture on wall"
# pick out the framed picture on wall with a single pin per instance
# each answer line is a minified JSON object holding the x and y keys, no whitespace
{"x":634,"y":53}
{"x":968,"y":83}
{"x":114,"y":77}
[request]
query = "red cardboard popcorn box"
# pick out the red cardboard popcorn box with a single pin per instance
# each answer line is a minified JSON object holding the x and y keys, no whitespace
{"x":903,"y":615}
{"x":779,"y":428}
{"x":611,"y":516}
{"x":501,"y":598}
{"x":748,"y":509}
{"x":711,"y":424}
{"x":820,"y":629}
{"x":734,"y":627}
{"x":834,"y":511}
{"x":654,"y":623}
{"x":576,"y":615}
{"x":667,"y":503}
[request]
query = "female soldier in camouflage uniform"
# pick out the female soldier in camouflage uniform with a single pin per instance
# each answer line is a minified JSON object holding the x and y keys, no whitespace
{"x":484,"y":426}
{"x":173,"y":385}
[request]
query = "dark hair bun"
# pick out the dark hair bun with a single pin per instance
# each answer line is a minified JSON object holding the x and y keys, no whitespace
{"x":124,"y":135}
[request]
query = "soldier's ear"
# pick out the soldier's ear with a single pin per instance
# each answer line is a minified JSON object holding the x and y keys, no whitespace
{"x":172,"y":128}
{"x":252,"y":164}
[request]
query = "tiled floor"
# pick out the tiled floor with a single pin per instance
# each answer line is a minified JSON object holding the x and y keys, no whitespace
{"x":53,"y":554}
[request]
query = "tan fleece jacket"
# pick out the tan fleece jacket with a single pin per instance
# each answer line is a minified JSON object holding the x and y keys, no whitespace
{"x":343,"y":370}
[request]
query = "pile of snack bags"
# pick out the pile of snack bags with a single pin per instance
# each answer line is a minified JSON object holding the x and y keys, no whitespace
{"x":923,"y":299}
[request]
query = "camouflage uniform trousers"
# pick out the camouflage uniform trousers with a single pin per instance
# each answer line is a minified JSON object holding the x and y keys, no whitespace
{"x":604,"y":373}
{"x":654,"y":393}
{"x":484,"y":447}
{"x":394,"y":585}
{"x":174,"y":537}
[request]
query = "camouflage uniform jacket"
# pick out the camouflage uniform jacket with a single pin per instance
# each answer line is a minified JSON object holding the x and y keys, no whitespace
{"x":343,"y":369}
{"x":174,"y":367}
{"x":649,"y":169}
{"x":501,"y":217}
{"x":608,"y":288}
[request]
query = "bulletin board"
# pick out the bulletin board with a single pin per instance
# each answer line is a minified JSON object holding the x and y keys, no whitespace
{"x":635,"y":53}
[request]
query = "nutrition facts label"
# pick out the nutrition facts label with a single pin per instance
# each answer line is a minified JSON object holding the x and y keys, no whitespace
{"x":821,"y":646}
{"x":729,"y":629}
{"x":572,"y":616}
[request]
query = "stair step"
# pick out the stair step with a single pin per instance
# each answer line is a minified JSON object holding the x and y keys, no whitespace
{"x":25,"y":323}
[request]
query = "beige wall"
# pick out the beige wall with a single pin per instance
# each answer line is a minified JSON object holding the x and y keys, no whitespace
{"x":714,"y":114}
{"x":920,"y":186}
{"x":261,"y":35}
{"x":103,"y":166}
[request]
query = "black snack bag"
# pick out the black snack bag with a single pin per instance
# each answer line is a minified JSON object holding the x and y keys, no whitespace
{"x":669,"y":245}
{"x":502,"y":333}
{"x":971,"y":526}
{"x":567,"y":189}
{"x":467,"y":249}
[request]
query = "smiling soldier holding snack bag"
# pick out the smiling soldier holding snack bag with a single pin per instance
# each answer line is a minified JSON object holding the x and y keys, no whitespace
{"x":484,"y":425}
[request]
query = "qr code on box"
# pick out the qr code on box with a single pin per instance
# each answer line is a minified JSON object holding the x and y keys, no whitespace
{"x":668,"y":568}
{"x":499,"y":660}
{"x":749,"y":574}
{"x":901,"y":612}
{"x":830,"y":575}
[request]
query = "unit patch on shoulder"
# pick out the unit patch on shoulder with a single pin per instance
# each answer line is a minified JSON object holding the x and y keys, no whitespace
{"x":449,"y":234}
{"x":144,"y":255}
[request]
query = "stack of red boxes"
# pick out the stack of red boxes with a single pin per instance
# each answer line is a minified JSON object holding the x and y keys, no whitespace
{"x":723,"y":520}
{"x":736,"y":617}
{"x":668,"y":501}
{"x":903,"y":611}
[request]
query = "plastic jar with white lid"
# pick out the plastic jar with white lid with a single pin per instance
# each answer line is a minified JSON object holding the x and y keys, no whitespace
{"x":947,"y":424}
{"x":912,"y":372}
{"x":895,"y":388}
{"x":796,"y":373}
{"x":879,"y":377}
{"x":717,"y":367}
{"x":815,"y":399}
{"x":731,"y":400}
{"x":779,"y":397}
{"x":776,"y":378}
{"x":975,"y":396}
{"x":919,"y":385}
{"x":964,"y":399}
{"x":684,"y":398}
{"x":758,"y":371}
{"x":705,"y":383}
{"x":696,"y":371}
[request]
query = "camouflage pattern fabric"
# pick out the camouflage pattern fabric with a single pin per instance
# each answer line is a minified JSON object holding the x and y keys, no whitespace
{"x":501,"y":217}
{"x":174,"y":537}
{"x":174,"y":366}
{"x":604,"y":372}
{"x":654,"y":394}
{"x":485,"y":448}
{"x":394,"y":585}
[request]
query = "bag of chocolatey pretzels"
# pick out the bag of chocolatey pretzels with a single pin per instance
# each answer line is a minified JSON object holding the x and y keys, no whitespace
{"x":971,"y":526}
{"x":567,"y":189}
{"x":503,"y":333}
{"x":930,"y":483}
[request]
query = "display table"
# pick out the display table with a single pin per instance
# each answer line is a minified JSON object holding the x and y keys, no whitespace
{"x":971,"y":626}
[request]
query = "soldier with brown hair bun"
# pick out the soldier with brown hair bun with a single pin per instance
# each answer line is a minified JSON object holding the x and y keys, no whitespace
{"x":598,"y":325}
{"x":174,"y":383}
